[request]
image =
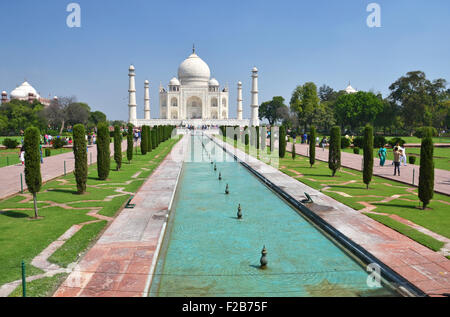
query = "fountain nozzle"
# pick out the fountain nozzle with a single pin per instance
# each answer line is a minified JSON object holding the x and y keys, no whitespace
{"x":263,"y":259}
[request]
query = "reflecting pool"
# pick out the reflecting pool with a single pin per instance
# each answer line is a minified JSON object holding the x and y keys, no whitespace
{"x":208,"y":251}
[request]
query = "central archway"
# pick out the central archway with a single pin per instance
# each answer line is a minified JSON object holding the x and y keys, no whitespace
{"x":194,"y":108}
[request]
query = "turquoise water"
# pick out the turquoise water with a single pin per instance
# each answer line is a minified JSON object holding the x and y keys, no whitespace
{"x":209,"y":252}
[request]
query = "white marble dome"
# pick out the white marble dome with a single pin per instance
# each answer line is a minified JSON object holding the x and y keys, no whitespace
{"x":174,"y":82}
{"x":23,"y":91}
{"x":193,"y":71}
{"x":213,"y":82}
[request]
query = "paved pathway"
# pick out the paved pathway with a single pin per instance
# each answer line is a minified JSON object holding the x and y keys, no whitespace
{"x":52,"y":167}
{"x":122,"y":261}
{"x":423,"y":267}
{"x":354,"y":161}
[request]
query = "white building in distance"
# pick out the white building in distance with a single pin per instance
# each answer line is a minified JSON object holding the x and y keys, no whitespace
{"x":25,"y":92}
{"x":194,"y":98}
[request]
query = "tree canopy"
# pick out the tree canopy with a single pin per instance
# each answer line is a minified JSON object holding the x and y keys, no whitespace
{"x":273,"y":110}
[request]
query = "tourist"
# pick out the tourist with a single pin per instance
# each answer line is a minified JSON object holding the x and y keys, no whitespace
{"x":397,"y":155}
{"x":324,"y":143}
{"x":403,"y":157}
{"x":40,"y":151}
{"x":382,"y":155}
{"x":22,"y":154}
{"x":89,"y":139}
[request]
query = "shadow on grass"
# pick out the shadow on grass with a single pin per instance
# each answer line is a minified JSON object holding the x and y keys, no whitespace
{"x":63,"y":191}
{"x":413,"y":207}
{"x":13,"y":214}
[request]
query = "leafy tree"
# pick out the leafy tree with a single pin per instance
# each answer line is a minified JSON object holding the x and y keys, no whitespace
{"x":117,"y":147}
{"x":80,"y":154}
{"x":303,"y":101}
{"x":77,"y":113}
{"x":368,"y":155}
{"x":56,"y":112}
{"x":272,"y":110}
{"x":312,"y":146}
{"x":130,"y":144}
{"x":257,"y":138}
{"x":33,"y":163}
{"x":357,"y":109}
{"x":282,"y":142}
{"x":17,"y":115}
{"x":103,"y":152}
{"x":334,"y":152}
{"x":426,"y":174}
{"x":96,"y":117}
{"x":418,"y":98}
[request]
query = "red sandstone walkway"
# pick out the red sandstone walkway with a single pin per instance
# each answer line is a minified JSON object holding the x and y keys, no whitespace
{"x":354,"y":161}
{"x":423,"y":267}
{"x":52,"y":167}
{"x":122,"y":261}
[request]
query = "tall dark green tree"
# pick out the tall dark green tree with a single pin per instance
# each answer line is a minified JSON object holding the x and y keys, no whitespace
{"x":149,"y":140}
{"x":282,"y":142}
{"x":33,"y":163}
{"x":272,"y":110}
{"x":80,"y":154}
{"x":103,"y":152}
{"x":426,"y":174}
{"x":312,"y":146}
{"x":144,"y":140}
{"x":130,"y":144}
{"x":257,"y":138}
{"x":117,"y":147}
{"x":153,"y":136}
{"x":293,"y":150}
{"x":368,"y":155}
{"x":334,"y":152}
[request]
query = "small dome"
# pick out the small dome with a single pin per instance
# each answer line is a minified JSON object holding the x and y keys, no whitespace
{"x":350,"y":90}
{"x":4,"y":93}
{"x":239,"y":83}
{"x":131,"y":67}
{"x":213,"y":82}
{"x":193,"y":71}
{"x":254,"y":69}
{"x":23,"y":91}
{"x":146,"y":82}
{"x":174,"y":82}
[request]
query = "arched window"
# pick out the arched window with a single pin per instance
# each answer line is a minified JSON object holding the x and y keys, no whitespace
{"x":214,"y":102}
{"x":174,"y":102}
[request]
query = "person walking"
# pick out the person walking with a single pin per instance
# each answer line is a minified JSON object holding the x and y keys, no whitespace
{"x":403,"y":157}
{"x":397,"y":155}
{"x":22,"y":154}
{"x":382,"y":155}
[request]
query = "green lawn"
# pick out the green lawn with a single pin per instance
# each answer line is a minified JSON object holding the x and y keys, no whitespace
{"x":436,"y":219}
{"x":441,"y":156}
{"x":23,"y":238}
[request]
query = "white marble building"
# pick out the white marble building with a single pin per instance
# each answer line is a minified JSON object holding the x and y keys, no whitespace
{"x":193,"y":98}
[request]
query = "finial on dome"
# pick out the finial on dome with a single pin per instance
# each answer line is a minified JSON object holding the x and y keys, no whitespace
{"x":193,"y":48}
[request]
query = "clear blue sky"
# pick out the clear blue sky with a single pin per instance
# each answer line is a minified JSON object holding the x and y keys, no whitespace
{"x":290,"y":41}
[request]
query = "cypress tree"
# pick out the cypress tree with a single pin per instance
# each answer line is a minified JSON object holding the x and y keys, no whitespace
{"x":80,"y":154}
{"x":117,"y":147}
{"x":130,"y":143}
{"x":312,"y":146}
{"x":426,"y":173}
{"x":368,"y":155}
{"x":246,"y":135}
{"x":144,"y":140}
{"x":153,"y":136}
{"x":103,"y":153}
{"x":257,"y":138}
{"x":293,"y":150}
{"x":33,"y":163}
{"x":282,"y":142}
{"x":334,"y":152}
{"x":149,"y":140}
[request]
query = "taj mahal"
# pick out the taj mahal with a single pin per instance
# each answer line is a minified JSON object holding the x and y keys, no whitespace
{"x":194,"y":98}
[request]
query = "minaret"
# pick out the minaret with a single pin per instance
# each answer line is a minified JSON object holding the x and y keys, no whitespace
{"x":239,"y":101}
{"x":146,"y":100}
{"x":254,"y":106}
{"x":132,"y":96}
